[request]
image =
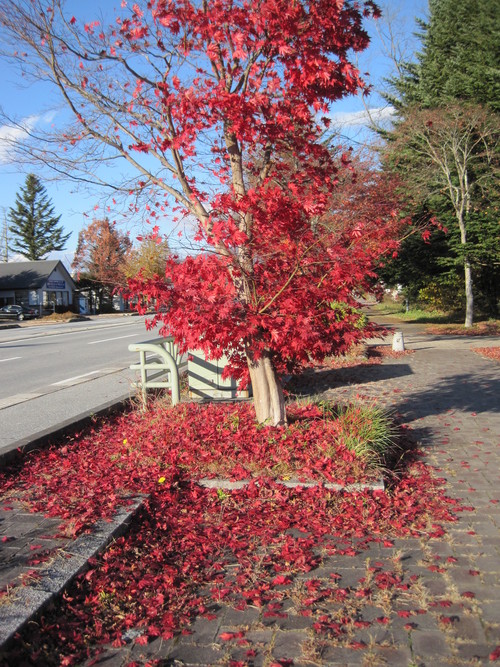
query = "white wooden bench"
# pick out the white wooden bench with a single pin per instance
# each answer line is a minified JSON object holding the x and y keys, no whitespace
{"x":160,"y":370}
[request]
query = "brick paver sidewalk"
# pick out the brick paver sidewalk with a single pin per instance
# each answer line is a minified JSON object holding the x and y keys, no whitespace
{"x":450,"y":397}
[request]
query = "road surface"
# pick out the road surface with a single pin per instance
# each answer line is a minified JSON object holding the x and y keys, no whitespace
{"x":52,"y":373}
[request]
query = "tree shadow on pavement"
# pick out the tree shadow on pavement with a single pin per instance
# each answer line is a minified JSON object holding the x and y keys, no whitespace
{"x":316,"y":381}
{"x":465,"y":392}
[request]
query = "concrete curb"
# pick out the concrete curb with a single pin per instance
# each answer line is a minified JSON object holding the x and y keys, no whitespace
{"x":29,"y":601}
{"x":224,"y":484}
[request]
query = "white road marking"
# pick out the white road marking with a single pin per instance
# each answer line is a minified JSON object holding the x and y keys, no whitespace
{"x":10,"y":359}
{"x":76,"y":377}
{"x":95,"y":342}
{"x":58,"y":386}
{"x":49,"y":334}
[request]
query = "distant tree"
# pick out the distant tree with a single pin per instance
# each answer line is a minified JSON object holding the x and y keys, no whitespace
{"x":448,"y":159}
{"x":149,"y":259}
{"x":100,"y":260}
{"x":34,"y":227}
{"x":454,"y":75}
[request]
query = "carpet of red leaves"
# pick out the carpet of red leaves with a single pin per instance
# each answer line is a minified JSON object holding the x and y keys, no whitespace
{"x":191,"y":547}
{"x":359,"y":355}
{"x":491,"y":328}
{"x":488,"y":352}
{"x":83,"y":479}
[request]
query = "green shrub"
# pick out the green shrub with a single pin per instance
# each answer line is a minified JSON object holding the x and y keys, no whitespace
{"x":443,"y":296}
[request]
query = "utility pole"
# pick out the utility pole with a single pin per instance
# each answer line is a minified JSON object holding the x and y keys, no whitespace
{"x":5,"y":238}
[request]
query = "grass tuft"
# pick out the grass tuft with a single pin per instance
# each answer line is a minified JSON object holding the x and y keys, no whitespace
{"x":368,"y":431}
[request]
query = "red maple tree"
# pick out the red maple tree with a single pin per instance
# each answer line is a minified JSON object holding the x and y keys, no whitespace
{"x":102,"y":252}
{"x":221,"y":105}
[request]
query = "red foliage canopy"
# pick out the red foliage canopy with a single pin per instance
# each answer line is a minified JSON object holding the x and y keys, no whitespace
{"x":279,"y":260}
{"x":307,"y":272}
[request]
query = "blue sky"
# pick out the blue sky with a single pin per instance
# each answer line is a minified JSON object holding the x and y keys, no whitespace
{"x":37,"y":103}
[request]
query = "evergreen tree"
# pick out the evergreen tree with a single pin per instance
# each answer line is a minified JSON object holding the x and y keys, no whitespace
{"x":34,"y":227}
{"x":456,"y":73}
{"x":459,"y":59}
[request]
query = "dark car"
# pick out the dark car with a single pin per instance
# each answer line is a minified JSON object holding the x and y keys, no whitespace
{"x":18,"y":312}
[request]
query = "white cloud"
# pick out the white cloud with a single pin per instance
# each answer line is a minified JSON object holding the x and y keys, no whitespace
{"x":12,"y":134}
{"x":363,"y":118}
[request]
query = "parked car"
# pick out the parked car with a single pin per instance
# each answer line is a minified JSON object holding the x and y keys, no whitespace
{"x":18,"y":312}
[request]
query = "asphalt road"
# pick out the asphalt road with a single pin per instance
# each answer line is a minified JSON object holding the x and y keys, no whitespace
{"x":51,"y":373}
{"x":39,"y":358}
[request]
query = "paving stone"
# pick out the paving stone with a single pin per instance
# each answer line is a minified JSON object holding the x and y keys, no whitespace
{"x":491,"y":579}
{"x":392,"y":656}
{"x":349,"y":577}
{"x":110,"y":658}
{"x":436,"y":587}
{"x":490,"y":611}
{"x":235,"y":617}
{"x":422,"y":622}
{"x":480,"y":590}
{"x":205,"y":630}
{"x":241,"y":655}
{"x":473,"y":651}
{"x":336,"y":656}
{"x":260,"y":636}
{"x":192,"y":654}
{"x":429,"y":645}
{"x":293,"y":622}
{"x":468,"y":628}
{"x":157,"y":649}
{"x":375,"y":634}
{"x":288,"y":645}
{"x":370,"y":613}
{"x":488,"y":563}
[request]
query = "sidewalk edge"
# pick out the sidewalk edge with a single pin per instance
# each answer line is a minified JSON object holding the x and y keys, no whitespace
{"x":30,"y":601}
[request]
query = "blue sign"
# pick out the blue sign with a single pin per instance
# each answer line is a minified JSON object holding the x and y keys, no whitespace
{"x":56,"y":284}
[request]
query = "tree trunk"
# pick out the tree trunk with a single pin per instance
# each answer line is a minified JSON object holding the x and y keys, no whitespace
{"x":469,"y":296}
{"x":267,"y":391}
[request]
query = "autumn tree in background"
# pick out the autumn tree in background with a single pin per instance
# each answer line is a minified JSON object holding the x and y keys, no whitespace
{"x":365,"y":204}
{"x":149,"y":259}
{"x":34,"y":228}
{"x":147,"y":262}
{"x":100,"y":261}
{"x":204,"y":100}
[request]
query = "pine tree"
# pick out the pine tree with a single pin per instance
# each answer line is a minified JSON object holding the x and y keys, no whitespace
{"x":34,"y":226}
{"x":459,"y":59}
